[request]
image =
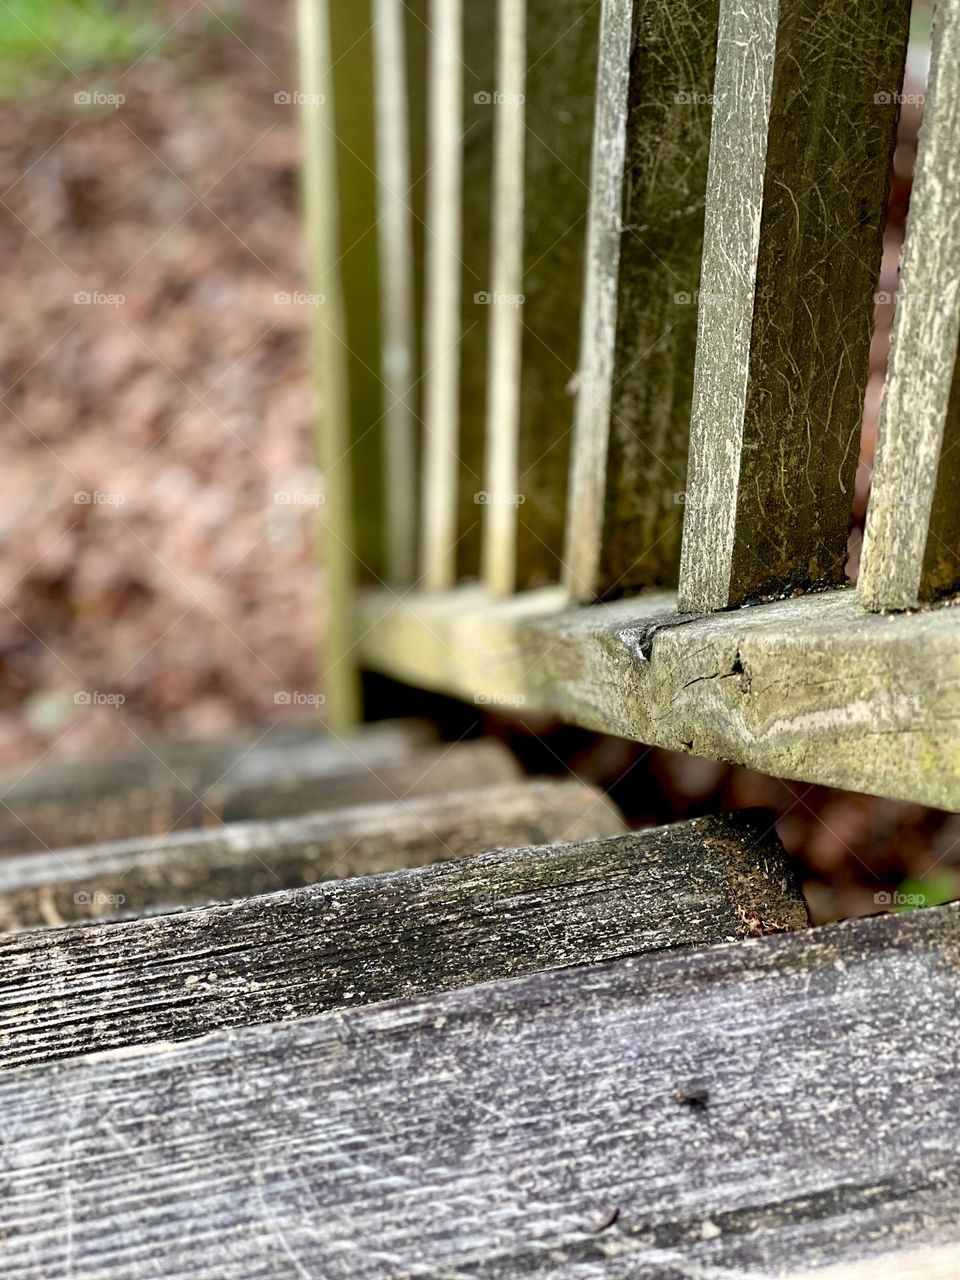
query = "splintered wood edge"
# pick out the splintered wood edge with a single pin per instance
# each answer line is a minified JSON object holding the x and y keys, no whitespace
{"x":812,"y":688}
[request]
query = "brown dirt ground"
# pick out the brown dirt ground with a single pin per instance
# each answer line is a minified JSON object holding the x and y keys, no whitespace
{"x":183,"y":585}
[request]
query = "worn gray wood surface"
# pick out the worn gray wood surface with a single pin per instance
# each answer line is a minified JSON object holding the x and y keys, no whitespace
{"x":736,"y":1113}
{"x":479,"y":109}
{"x":551,"y":168}
{"x":813,"y":688}
{"x":799,"y":171}
{"x":644,"y":245}
{"x":911,"y":548}
{"x":59,"y":806}
{"x":341,"y":943}
{"x":140,"y":877}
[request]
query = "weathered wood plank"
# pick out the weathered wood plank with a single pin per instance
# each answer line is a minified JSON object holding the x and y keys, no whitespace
{"x":40,"y":814}
{"x":142,"y":877}
{"x":644,"y":245}
{"x":479,"y":88}
{"x":911,"y":548}
{"x":332,"y":432}
{"x":344,"y":943}
{"x":758,"y":1109}
{"x":443,"y":293}
{"x":536,"y":303}
{"x":799,"y":172}
{"x":812,"y":689}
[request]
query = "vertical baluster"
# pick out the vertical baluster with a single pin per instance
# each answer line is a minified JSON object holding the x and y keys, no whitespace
{"x":536,"y":303}
{"x":398,"y":360}
{"x":330,"y":358}
{"x":503,"y":388}
{"x":480,"y":79}
{"x":799,"y":171}
{"x":351,"y":118}
{"x":644,"y":246}
{"x":911,"y":547}
{"x":444,"y":186}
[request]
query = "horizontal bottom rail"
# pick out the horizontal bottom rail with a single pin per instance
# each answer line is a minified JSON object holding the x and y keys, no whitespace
{"x":811,"y":689}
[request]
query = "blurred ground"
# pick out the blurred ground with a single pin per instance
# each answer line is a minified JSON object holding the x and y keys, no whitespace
{"x":177,"y":400}
{"x":156,"y":497}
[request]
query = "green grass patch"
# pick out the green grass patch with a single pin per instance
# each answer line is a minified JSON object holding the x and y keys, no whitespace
{"x":56,"y":38}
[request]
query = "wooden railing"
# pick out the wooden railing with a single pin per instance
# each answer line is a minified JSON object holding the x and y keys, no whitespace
{"x":600,"y":290}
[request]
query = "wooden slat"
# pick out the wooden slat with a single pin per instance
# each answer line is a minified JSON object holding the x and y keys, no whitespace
{"x":812,"y":688}
{"x":499,"y":539}
{"x":479,"y":85}
{"x":911,"y":548}
{"x":350,"y":89}
{"x":142,"y":877}
{"x":760,"y":1109}
{"x":398,"y":357}
{"x":443,"y":291}
{"x":334,"y":438}
{"x":548,"y":167}
{"x":799,"y":171}
{"x":321,"y":775}
{"x":644,"y":245}
{"x":337,"y":945}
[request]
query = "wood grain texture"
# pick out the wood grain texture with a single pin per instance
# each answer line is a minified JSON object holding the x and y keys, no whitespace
{"x":339,"y":944}
{"x":812,"y":689}
{"x":479,"y":109}
{"x":745,"y":1111}
{"x":911,"y":548}
{"x":799,"y":172}
{"x":644,"y":245}
{"x":131,"y":878}
{"x":59,"y":806}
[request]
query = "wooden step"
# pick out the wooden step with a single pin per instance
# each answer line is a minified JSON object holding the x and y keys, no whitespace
{"x":186,"y":868}
{"x":754,"y":1110}
{"x":75,"y":803}
{"x":342,"y":943}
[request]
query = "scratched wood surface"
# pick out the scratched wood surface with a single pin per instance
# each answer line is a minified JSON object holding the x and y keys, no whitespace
{"x":799,"y":171}
{"x":911,"y":548}
{"x":645,"y":240}
{"x":61,"y":805}
{"x":812,"y":688}
{"x":751,"y":1110}
{"x":342,"y":943}
{"x":139,"y":877}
